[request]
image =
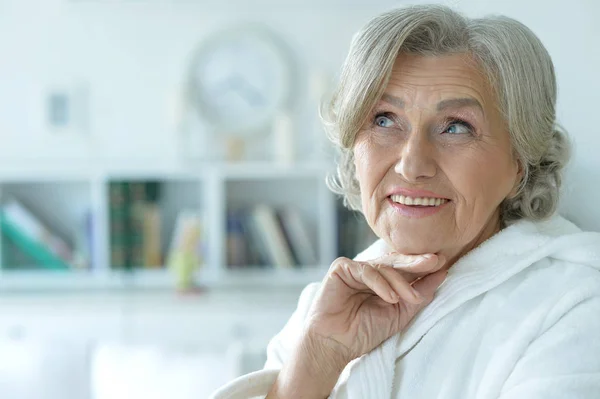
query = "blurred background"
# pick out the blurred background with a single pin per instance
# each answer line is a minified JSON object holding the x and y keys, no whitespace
{"x":162,"y":180}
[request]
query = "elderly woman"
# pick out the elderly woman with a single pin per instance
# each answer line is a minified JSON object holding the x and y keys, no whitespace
{"x":476,"y":289}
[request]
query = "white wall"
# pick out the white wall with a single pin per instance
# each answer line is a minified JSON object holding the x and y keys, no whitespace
{"x":570,"y":32}
{"x":133,"y":56}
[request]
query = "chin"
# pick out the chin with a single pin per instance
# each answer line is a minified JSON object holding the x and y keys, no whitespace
{"x":413,"y":245}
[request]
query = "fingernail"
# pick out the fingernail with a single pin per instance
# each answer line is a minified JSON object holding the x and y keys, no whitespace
{"x":403,"y":264}
{"x":412,"y":262}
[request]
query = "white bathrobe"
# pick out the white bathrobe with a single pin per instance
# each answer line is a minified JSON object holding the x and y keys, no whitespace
{"x":517,"y":317}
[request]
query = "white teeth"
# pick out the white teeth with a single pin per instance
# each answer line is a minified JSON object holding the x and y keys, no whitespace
{"x":418,"y":201}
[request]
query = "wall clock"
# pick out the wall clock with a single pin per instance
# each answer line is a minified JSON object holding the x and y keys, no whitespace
{"x":239,"y":79}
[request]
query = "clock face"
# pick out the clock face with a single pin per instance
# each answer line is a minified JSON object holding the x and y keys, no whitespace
{"x":240,"y":79}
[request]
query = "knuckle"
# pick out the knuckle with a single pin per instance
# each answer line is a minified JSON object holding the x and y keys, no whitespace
{"x":380,"y":267}
{"x":340,"y":263}
{"x":361,"y":268}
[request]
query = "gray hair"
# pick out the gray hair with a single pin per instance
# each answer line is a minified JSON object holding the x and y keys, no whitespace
{"x":516,"y":64}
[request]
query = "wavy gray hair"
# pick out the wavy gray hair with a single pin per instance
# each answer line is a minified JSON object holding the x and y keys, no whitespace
{"x":514,"y":60}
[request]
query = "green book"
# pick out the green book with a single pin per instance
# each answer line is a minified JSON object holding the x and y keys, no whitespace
{"x":128,"y":202}
{"x":135,"y":223}
{"x":118,"y":200}
{"x":37,"y":251}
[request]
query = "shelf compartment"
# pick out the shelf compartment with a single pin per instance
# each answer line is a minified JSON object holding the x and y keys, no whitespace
{"x":272,"y":223}
{"x":143,"y":216}
{"x":47,"y":225}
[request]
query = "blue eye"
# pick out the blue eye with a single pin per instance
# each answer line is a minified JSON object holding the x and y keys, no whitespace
{"x":383,"y":121}
{"x":459,"y":127}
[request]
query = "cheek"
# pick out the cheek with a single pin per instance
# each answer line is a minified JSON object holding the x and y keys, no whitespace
{"x":372,"y":163}
{"x":371,"y":166}
{"x":360,"y":169}
{"x":483,"y":178}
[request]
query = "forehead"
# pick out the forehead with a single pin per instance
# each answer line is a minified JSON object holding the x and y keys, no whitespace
{"x":418,"y":79}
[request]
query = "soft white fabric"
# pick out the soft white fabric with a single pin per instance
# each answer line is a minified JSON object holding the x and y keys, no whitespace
{"x":517,"y":318}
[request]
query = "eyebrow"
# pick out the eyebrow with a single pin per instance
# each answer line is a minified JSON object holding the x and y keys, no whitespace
{"x":393,"y":100}
{"x":442,"y":105}
{"x":459,"y":103}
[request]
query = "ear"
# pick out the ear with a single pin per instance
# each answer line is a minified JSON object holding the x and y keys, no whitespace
{"x":518,"y":179}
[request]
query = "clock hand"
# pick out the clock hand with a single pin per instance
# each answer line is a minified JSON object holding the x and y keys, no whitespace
{"x":252,"y":91}
{"x":243,"y":89}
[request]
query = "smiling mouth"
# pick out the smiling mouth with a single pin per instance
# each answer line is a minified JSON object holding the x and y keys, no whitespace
{"x":418,"y":201}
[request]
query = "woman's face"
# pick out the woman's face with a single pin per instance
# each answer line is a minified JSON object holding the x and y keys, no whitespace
{"x":434,"y":161}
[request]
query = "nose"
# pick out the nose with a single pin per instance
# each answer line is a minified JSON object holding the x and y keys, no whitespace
{"x":416,"y":161}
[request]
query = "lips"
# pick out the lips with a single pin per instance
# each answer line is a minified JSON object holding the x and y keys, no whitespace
{"x":417,"y":201}
{"x":415,"y":194}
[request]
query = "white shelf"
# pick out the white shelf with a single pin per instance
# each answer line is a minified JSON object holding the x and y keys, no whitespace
{"x":49,"y":172}
{"x":271,"y":277}
{"x":60,"y":281}
{"x":41,"y":172}
{"x":269,"y":170}
{"x":218,"y":187}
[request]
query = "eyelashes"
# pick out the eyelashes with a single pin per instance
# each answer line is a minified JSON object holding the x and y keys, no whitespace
{"x":387,"y":120}
{"x":383,"y":117}
{"x":459,"y":122}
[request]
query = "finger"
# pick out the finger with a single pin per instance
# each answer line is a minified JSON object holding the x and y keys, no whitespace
{"x":413,"y":263}
{"x":391,"y":258}
{"x":417,"y":265}
{"x":375,"y":281}
{"x":426,"y":264}
{"x":400,"y":285}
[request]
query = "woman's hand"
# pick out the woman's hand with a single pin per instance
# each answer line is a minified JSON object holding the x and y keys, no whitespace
{"x":361,"y":304}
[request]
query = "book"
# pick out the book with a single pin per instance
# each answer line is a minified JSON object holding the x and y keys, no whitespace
{"x":151,"y":235}
{"x":23,"y":229}
{"x":84,"y":237}
{"x":117,"y":204}
{"x":298,"y":237}
{"x":135,"y":206}
{"x":185,"y":251}
{"x":135,"y":224}
{"x":89,"y":230}
{"x":256,"y":249}
{"x":268,"y":227}
{"x":236,"y":244}
{"x":187,"y":233}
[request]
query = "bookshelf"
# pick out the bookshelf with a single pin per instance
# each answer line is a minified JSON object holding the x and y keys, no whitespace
{"x":62,"y":197}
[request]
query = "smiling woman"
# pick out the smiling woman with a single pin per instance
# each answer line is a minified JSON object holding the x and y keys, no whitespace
{"x":436,"y":128}
{"x":449,"y":146}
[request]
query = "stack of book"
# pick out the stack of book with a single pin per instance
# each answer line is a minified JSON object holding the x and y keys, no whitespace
{"x":264,"y":236}
{"x":29,"y":242}
{"x":135,"y":225}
